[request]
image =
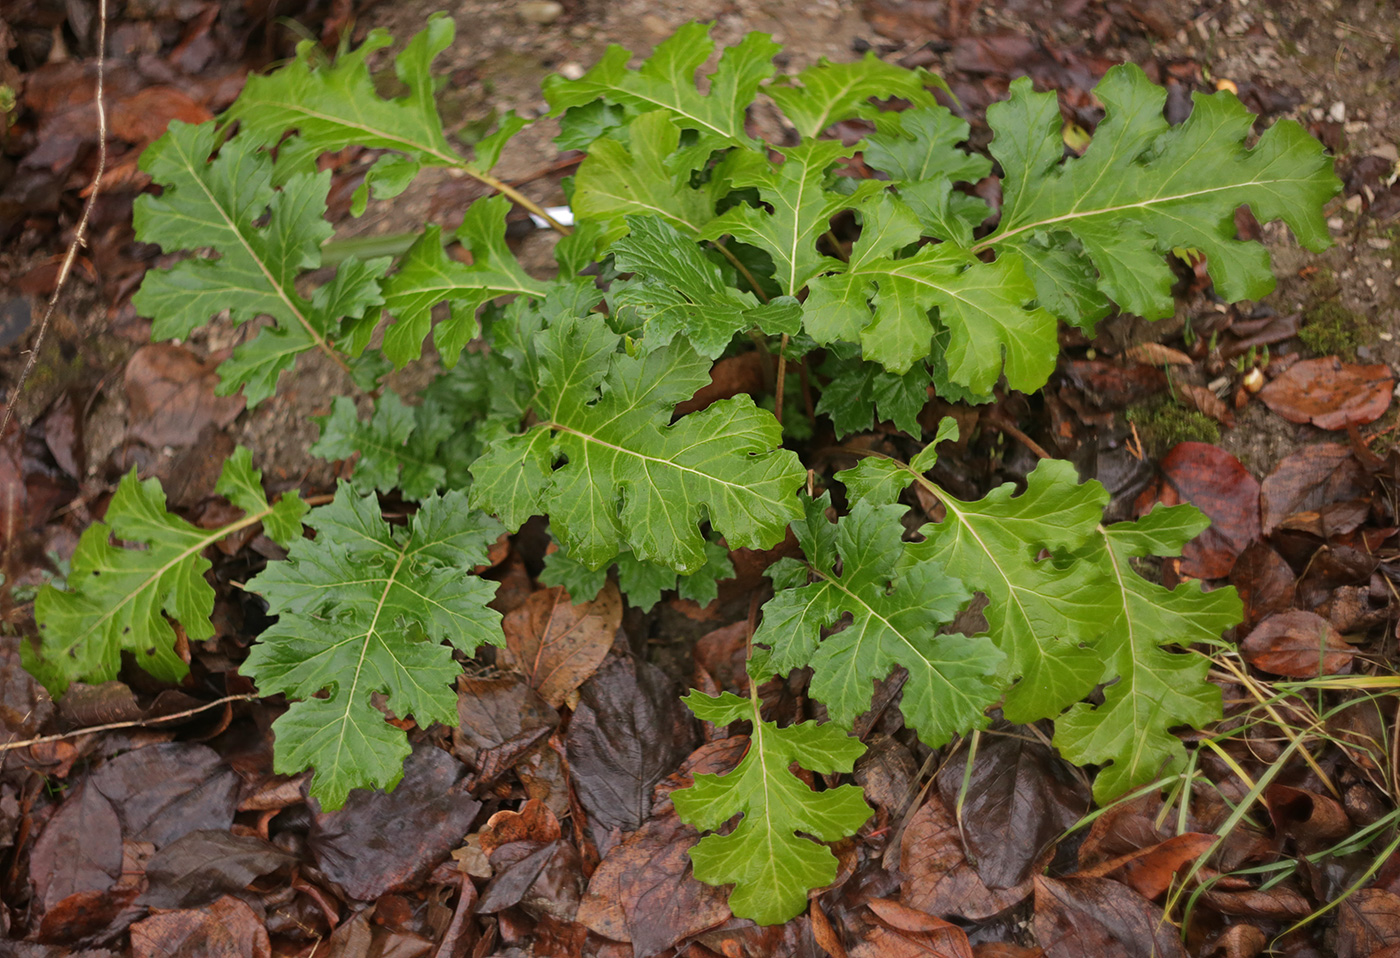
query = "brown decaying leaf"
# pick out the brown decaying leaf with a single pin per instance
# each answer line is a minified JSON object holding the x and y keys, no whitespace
{"x":142,"y":117}
{"x":643,"y":891}
{"x":381,"y":841}
{"x":1219,"y":485}
{"x":1297,"y":644}
{"x":1000,"y":949}
{"x":229,"y":928}
{"x":749,"y":372}
{"x":938,"y":879}
{"x":1156,"y":354}
{"x":1150,"y":871}
{"x":1368,"y":921}
{"x":163,"y":792}
{"x":202,"y":866}
{"x":533,"y":822}
{"x":1204,"y":401}
{"x":628,"y":732}
{"x":171,"y":396}
{"x":1240,"y":941}
{"x":1311,"y":819}
{"x":1021,"y":796}
{"x":79,"y":850}
{"x":1311,"y":479}
{"x":1279,"y":903}
{"x":557,"y":645}
{"x":1330,"y":394}
{"x":905,"y":932}
{"x":1077,"y":917}
{"x":1264,"y":581}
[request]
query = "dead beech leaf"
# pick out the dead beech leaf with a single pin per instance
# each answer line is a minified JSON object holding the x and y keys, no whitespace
{"x":745,"y":373}
{"x":938,"y":879}
{"x":1002,"y":949}
{"x":1368,"y":921}
{"x":142,"y":117}
{"x":1330,"y":394}
{"x":557,"y":645}
{"x":643,"y":891}
{"x":1206,"y":402}
{"x":1264,"y":581}
{"x":1309,"y":480}
{"x":1077,"y":917}
{"x":229,"y":928}
{"x":1311,"y":819}
{"x":910,"y":934}
{"x":1240,"y":941}
{"x":1298,"y":644}
{"x":1157,"y":354}
{"x":1149,"y":871}
{"x":171,"y":395}
{"x":1217,"y":483}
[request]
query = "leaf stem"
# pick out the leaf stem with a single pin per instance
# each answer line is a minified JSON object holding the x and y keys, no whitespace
{"x":728,"y":254}
{"x":781,"y":380}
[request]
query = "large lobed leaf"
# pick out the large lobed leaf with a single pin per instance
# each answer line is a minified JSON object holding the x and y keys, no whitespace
{"x":118,"y":598}
{"x":1079,"y":617}
{"x":608,"y":467}
{"x":770,"y":866}
{"x":362,"y":609}
{"x":221,"y":204}
{"x":1143,"y":187}
{"x":894,"y":620}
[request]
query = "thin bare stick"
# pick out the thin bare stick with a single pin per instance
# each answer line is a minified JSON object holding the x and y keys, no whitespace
{"x":80,"y":233}
{"x":782,"y":380}
{"x":133,"y":723}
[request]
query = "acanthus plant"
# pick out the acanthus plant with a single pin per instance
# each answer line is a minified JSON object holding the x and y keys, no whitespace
{"x":691,"y":240}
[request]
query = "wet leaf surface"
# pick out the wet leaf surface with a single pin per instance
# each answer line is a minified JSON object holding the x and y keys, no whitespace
{"x":228,"y":928}
{"x":163,"y":792}
{"x":203,"y":866}
{"x":80,"y":850}
{"x":171,"y":397}
{"x":1219,"y":485}
{"x":379,"y":842}
{"x":627,"y":733}
{"x":1096,"y":916}
{"x":1330,"y":394}
{"x":1308,"y":481}
{"x":938,"y":879}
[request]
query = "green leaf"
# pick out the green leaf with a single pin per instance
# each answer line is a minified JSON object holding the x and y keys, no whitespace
{"x":1150,"y":689}
{"x":642,"y":582}
{"x":332,"y":106}
{"x":220,"y":204}
{"x":1143,"y":187}
{"x":397,"y":448}
{"x":629,"y":475}
{"x":122,"y":599}
{"x":681,"y":292}
{"x":642,"y":177}
{"x":920,"y":144}
{"x":364,"y":608}
{"x":861,"y":394}
{"x":827,"y":92}
{"x":802,"y":209}
{"x":426,"y":277}
{"x":666,"y":81}
{"x":894,"y":621}
{"x":770,"y":866}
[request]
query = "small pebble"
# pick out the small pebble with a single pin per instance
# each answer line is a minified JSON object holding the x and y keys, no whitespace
{"x":1338,"y":112}
{"x":540,"y":12}
{"x":571,"y":70}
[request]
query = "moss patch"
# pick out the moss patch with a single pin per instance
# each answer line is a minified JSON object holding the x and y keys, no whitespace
{"x":1162,"y":423}
{"x":1330,"y":329}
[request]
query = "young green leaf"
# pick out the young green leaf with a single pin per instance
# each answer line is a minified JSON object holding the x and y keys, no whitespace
{"x":397,"y":447}
{"x":894,"y":621}
{"x":628,"y":475}
{"x":861,"y":394}
{"x":1150,"y":690}
{"x":802,"y":209}
{"x":921,"y":144}
{"x":426,"y":277}
{"x":770,"y":866}
{"x":119,"y":598}
{"x":640,"y":581}
{"x":221,"y":203}
{"x":666,"y":81}
{"x":364,"y":608}
{"x":1143,"y":187}
{"x":332,"y":106}
{"x":826,"y":92}
{"x":679,"y":291}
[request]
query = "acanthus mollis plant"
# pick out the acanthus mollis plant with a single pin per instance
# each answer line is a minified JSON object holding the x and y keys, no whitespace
{"x":693,"y":240}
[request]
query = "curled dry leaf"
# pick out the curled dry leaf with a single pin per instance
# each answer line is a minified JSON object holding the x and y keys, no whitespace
{"x":1204,"y":401}
{"x":1156,"y":354}
{"x":1330,"y":394}
{"x":1311,"y":819}
{"x":1297,"y":644}
{"x":557,"y":645}
{"x":1240,"y":941}
{"x":905,"y":932}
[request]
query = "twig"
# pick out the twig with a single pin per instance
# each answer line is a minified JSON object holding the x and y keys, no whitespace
{"x":133,"y":723}
{"x":738,"y":264}
{"x":1016,"y":433}
{"x":782,"y":380}
{"x":80,"y":232}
